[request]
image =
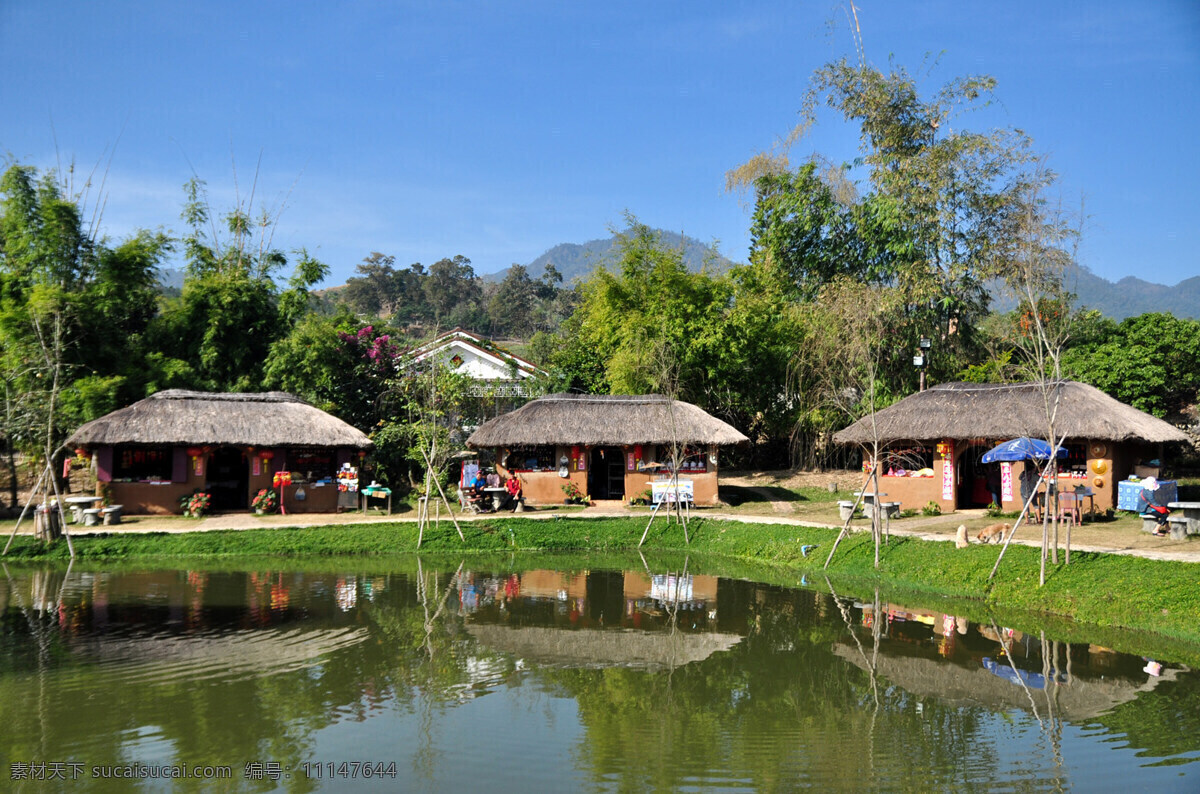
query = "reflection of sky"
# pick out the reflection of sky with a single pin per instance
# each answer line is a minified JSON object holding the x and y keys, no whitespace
{"x":537,"y":757}
{"x":1019,"y":747}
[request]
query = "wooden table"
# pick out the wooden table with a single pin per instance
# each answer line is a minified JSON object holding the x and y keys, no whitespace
{"x":378,"y":493}
{"x":1191,"y":511}
{"x":1086,"y":493}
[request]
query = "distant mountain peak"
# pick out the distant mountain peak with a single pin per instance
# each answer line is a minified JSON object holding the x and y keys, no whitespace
{"x":576,"y":260}
{"x":1128,"y":297}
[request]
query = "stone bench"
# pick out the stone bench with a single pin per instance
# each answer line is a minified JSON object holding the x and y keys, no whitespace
{"x":890,"y":509}
{"x":1178,"y":526}
{"x":112,"y":514}
{"x":1149,"y":525}
{"x":91,"y":517}
{"x":845,"y":509}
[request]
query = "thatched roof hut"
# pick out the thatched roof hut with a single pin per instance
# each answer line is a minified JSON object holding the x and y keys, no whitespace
{"x":176,"y":417}
{"x":1007,"y":410}
{"x":599,"y":420}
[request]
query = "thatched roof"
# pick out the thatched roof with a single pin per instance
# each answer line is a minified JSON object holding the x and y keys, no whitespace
{"x":177,"y":417}
{"x":1008,"y":410}
{"x":594,"y":420}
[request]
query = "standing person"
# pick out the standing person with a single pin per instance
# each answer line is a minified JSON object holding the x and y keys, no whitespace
{"x":1029,"y":483}
{"x":993,"y":484}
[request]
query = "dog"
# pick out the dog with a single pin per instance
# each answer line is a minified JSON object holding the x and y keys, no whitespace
{"x":960,"y":539}
{"x":994,"y":532}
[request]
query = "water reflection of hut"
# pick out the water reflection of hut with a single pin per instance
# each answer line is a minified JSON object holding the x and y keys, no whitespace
{"x":163,"y":656}
{"x":602,"y":647}
{"x":976,"y":685}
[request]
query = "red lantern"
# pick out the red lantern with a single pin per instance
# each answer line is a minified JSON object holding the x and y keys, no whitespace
{"x":267,"y":454}
{"x":194,"y":452}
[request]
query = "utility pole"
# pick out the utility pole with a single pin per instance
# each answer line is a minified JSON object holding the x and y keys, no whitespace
{"x":921,"y":360}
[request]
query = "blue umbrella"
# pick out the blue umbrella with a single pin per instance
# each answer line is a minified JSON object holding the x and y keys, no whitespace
{"x":1021,"y":449}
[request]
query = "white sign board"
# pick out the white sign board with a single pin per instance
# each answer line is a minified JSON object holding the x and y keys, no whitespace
{"x":948,"y":474}
{"x":669,"y":491}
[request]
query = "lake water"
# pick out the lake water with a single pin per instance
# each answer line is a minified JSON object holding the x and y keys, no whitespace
{"x":431,"y":676}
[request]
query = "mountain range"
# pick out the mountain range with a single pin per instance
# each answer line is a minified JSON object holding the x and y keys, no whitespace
{"x":576,"y":260}
{"x":1128,"y":297}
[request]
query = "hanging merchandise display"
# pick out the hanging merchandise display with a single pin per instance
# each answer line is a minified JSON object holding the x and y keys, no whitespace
{"x":347,"y":484}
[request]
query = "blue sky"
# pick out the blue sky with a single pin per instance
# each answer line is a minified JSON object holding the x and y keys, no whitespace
{"x":496,"y":130}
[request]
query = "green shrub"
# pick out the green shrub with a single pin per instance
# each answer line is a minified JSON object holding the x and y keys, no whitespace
{"x":931,"y":508}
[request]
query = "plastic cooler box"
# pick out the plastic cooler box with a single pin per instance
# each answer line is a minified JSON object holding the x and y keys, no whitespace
{"x":1127,"y":494}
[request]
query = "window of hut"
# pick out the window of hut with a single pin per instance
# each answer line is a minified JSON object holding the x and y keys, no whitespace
{"x":1075,"y":464}
{"x":530,"y":459}
{"x":311,"y":464}
{"x":142,"y":464}
{"x":903,"y":461}
{"x":694,"y":459}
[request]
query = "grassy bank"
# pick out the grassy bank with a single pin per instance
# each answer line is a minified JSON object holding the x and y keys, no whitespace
{"x":1099,"y":589}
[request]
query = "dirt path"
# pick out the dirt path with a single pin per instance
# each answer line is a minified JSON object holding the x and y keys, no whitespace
{"x":769,"y":498}
{"x":1087,"y":538}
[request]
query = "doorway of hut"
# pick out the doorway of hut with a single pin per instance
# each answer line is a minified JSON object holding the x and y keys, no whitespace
{"x":606,"y":478}
{"x":973,"y":478}
{"x":229,"y":479}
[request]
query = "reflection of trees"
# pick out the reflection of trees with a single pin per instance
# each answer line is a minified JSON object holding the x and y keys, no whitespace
{"x":778,"y":708}
{"x":1164,"y":722}
{"x":63,"y":698}
{"x":772,"y":710}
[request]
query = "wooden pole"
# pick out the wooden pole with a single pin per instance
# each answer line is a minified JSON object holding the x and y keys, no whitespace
{"x":32,"y":496}
{"x":438,"y":483}
{"x":62,"y":517}
{"x":846,"y":526}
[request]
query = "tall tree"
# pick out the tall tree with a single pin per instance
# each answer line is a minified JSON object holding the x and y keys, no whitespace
{"x":454,"y":293}
{"x":232,"y":309}
{"x":72,"y":310}
{"x":938,"y":209}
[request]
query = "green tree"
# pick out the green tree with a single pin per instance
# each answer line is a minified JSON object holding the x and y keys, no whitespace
{"x":73,"y":310}
{"x":938,"y":215}
{"x":221,"y":329}
{"x":1147,"y":361}
{"x":454,"y":294}
{"x":512,"y":308}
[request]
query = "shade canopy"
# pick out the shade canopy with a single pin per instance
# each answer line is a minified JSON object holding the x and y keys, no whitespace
{"x":1022,"y":449}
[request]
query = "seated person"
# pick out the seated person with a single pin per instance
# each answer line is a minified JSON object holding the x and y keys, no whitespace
{"x":1148,"y":506}
{"x":477,"y":486}
{"x":493,"y":479}
{"x":513,"y":486}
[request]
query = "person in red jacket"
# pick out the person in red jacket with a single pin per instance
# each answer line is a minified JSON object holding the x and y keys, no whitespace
{"x":513,"y":486}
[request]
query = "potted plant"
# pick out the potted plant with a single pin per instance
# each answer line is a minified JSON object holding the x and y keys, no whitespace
{"x":574,"y":495}
{"x":265,"y":501}
{"x":195,"y":505}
